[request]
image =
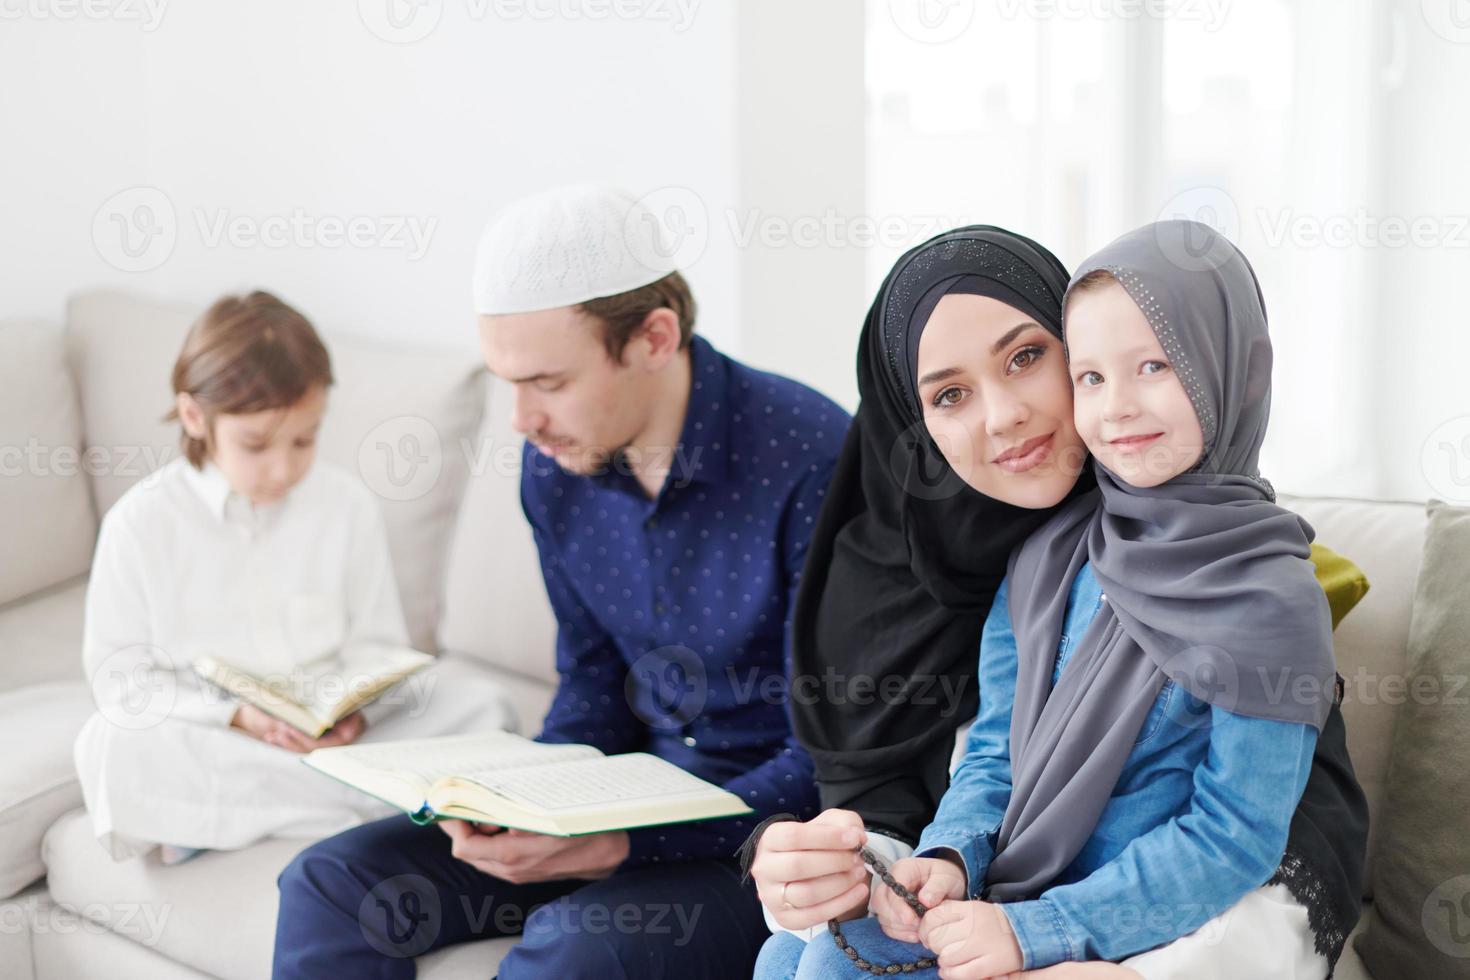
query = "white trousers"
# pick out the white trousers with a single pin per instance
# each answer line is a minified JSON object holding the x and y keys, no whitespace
{"x":1264,"y":936}
{"x":195,"y":785}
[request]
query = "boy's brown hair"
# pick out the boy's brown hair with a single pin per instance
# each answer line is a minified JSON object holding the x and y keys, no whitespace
{"x":246,"y":354}
{"x":623,"y":314}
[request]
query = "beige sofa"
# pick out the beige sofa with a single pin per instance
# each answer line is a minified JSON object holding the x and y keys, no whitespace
{"x":80,"y":409}
{"x":470,"y":583}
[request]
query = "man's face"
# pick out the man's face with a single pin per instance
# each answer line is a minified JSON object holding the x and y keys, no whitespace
{"x":572,"y":402}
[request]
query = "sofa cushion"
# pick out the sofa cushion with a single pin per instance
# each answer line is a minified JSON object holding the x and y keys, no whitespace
{"x":1421,"y":886}
{"x":397,"y":418}
{"x":1350,"y":965}
{"x":41,"y":636}
{"x":1385,"y":541}
{"x":495,"y":605}
{"x":215,"y":913}
{"x":38,"y":783}
{"x":67,"y":944}
{"x":18,"y":918}
{"x":47,"y":524}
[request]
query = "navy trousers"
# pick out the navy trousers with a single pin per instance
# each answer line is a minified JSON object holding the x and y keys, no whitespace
{"x":362,"y":904}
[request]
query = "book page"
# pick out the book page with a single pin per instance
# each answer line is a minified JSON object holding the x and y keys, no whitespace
{"x":428,"y":760}
{"x":633,"y":779}
{"x":337,"y":685}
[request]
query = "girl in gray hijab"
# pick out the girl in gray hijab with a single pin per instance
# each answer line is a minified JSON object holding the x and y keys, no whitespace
{"x":1155,"y":669}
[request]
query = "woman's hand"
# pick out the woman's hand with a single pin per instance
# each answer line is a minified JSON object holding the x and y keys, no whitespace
{"x":931,"y":880}
{"x":972,"y":940}
{"x":257,"y":724}
{"x":807,"y":873}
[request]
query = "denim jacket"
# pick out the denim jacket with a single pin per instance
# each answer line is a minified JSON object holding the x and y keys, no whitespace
{"x":1198,"y":819}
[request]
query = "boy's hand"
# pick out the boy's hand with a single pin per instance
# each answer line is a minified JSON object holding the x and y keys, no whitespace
{"x":257,"y":724}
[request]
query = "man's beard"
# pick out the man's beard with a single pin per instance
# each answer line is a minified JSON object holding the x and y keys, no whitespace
{"x":589,"y":460}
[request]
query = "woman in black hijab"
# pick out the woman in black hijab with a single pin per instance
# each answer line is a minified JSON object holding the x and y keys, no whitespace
{"x":903,"y":567}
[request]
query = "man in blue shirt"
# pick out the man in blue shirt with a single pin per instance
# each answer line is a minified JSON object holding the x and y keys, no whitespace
{"x":672,"y":492}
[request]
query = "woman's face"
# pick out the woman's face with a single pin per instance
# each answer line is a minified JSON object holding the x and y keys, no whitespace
{"x":998,"y":402}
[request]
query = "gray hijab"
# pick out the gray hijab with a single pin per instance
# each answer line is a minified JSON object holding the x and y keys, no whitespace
{"x":1208,"y":583}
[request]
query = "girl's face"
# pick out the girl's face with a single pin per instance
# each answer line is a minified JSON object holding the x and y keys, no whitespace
{"x":997,"y":401}
{"x":261,"y":454}
{"x":1130,"y":406}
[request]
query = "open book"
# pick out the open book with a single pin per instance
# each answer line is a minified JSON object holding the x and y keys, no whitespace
{"x":320,"y":695}
{"x":510,"y":781}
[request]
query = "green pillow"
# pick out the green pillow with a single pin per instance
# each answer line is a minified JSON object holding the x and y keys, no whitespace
{"x":1344,"y":582}
{"x":1420,"y":922}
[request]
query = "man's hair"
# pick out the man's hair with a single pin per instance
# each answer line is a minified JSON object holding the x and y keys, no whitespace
{"x":622,"y":315}
{"x":246,"y":354}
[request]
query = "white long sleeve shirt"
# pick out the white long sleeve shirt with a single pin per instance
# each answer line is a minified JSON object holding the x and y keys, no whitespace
{"x":186,"y":567}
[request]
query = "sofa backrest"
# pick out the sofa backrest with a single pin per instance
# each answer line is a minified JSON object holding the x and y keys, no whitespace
{"x":495,"y":600}
{"x":395,"y":417}
{"x":47,"y":524}
{"x":1385,"y":540}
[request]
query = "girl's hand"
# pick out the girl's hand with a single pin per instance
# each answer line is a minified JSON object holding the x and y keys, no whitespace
{"x":257,"y":724}
{"x":932,"y":880}
{"x":807,"y":873}
{"x":972,"y":940}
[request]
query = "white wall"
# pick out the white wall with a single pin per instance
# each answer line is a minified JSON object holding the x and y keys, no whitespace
{"x":274,"y":109}
{"x":1326,"y":137}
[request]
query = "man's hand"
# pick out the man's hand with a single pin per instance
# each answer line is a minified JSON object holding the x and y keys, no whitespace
{"x":807,"y":873}
{"x":519,"y":856}
{"x":931,"y":880}
{"x":972,"y":940}
{"x":257,"y":724}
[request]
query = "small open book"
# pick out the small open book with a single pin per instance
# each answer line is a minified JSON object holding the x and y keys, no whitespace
{"x":510,"y":781}
{"x":317,"y":697}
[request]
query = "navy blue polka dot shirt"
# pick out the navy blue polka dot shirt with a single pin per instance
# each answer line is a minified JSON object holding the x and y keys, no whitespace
{"x":673,"y":611}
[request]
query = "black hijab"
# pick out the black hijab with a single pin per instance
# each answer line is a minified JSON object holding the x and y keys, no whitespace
{"x":906,"y":557}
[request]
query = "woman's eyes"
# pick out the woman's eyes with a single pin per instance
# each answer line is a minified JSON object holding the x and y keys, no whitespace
{"x":942,"y":399}
{"x":1090,"y":379}
{"x":1154,"y":367}
{"x":1025,"y":357}
{"x":1020,"y":361}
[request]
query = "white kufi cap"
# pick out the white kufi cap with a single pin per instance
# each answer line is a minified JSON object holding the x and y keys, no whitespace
{"x":566,"y":246}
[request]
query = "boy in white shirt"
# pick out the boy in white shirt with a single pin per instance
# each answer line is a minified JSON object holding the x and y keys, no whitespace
{"x":249,"y":550}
